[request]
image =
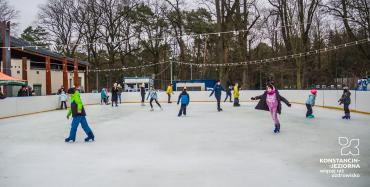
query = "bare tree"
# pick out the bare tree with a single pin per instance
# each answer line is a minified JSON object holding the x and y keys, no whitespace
{"x":8,"y":13}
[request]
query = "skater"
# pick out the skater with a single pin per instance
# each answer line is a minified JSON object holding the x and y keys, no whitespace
{"x":270,"y":100}
{"x":142,"y":92}
{"x":169,"y":91}
{"x":236,"y":95}
{"x":185,"y":99}
{"x":346,"y":101}
{"x":114,"y":94}
{"x":103,"y":96}
{"x":310,"y":102}
{"x":217,"y":89}
{"x":63,"y":99}
{"x":78,"y":113}
{"x":119,"y":93}
{"x":152,"y":94}
{"x":228,"y":93}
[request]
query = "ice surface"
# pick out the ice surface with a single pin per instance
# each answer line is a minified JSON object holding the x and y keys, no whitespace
{"x":136,"y":147}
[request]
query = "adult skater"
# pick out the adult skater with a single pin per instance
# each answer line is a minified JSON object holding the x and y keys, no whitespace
{"x":142,"y":92}
{"x":115,"y":94}
{"x":310,"y":102}
{"x":185,"y":99}
{"x":119,"y":93}
{"x":236,"y":95}
{"x":270,"y":100}
{"x":217,"y":89}
{"x":169,"y":91}
{"x":228,"y":93}
{"x":152,"y":94}
{"x":346,"y":101}
{"x":78,"y":113}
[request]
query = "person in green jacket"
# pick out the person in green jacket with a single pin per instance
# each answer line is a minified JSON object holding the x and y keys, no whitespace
{"x":77,"y":111}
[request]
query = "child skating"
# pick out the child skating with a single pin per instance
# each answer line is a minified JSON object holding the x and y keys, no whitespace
{"x":185,"y":99}
{"x":310,"y":102}
{"x":152,"y":94}
{"x":228,"y":93}
{"x":346,"y":101}
{"x":63,"y":99}
{"x":78,"y":113}
{"x":270,"y":100}
{"x":217,"y":89}
{"x":236,"y":95}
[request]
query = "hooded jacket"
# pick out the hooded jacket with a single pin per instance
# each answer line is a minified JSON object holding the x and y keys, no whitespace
{"x":184,"y":98}
{"x":77,"y":107}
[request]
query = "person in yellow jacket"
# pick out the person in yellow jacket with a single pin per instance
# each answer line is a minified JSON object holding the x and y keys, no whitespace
{"x":236,"y":95}
{"x":169,"y":91}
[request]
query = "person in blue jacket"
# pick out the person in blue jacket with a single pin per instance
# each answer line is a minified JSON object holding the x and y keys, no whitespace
{"x":217,"y":89}
{"x":228,"y":93}
{"x":185,"y":100}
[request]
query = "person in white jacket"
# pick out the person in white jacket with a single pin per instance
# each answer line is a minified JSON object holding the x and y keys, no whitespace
{"x":63,"y":99}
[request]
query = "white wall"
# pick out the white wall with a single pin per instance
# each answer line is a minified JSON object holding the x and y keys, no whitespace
{"x":26,"y":105}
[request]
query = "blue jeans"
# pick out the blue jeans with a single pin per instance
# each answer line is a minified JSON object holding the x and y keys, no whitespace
{"x":75,"y":122}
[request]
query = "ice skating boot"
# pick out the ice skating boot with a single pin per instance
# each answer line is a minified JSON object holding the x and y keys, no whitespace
{"x":278,"y":128}
{"x":90,"y":136}
{"x":275,"y":130}
{"x":69,"y":139}
{"x":344,"y":117}
{"x":152,"y":109}
{"x":161,"y":108}
{"x":311,"y":116}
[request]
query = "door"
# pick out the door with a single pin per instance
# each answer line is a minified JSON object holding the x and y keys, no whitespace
{"x":37,"y":88}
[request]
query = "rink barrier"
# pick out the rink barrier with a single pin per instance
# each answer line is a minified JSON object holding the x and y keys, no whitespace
{"x":17,"y":106}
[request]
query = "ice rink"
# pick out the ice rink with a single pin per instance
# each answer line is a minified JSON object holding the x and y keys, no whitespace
{"x":136,"y":147}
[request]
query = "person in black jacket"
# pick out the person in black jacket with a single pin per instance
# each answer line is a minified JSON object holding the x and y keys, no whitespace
{"x":115,"y":94}
{"x":142,"y":92}
{"x":346,"y":101}
{"x":270,"y":100}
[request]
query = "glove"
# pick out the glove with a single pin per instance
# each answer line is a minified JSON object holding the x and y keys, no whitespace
{"x":289,"y":105}
{"x":252,"y":98}
{"x":67,"y":117}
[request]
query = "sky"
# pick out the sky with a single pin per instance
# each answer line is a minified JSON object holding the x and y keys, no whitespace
{"x":28,"y":10}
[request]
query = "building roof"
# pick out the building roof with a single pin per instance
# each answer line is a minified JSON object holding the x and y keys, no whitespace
{"x":17,"y":42}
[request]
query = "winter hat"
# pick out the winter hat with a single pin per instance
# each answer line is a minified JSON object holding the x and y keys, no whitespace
{"x":314,"y":91}
{"x":71,"y":90}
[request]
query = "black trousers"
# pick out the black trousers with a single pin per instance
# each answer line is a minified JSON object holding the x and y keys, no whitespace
{"x":346,"y":110}
{"x":169,"y":98}
{"x":218,"y":103}
{"x":63,"y":103}
{"x":151,"y":100}
{"x":309,"y":110}
{"x":115,"y":101}
{"x":182,"y":110}
{"x":142,"y":98}
{"x":236,"y":102}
